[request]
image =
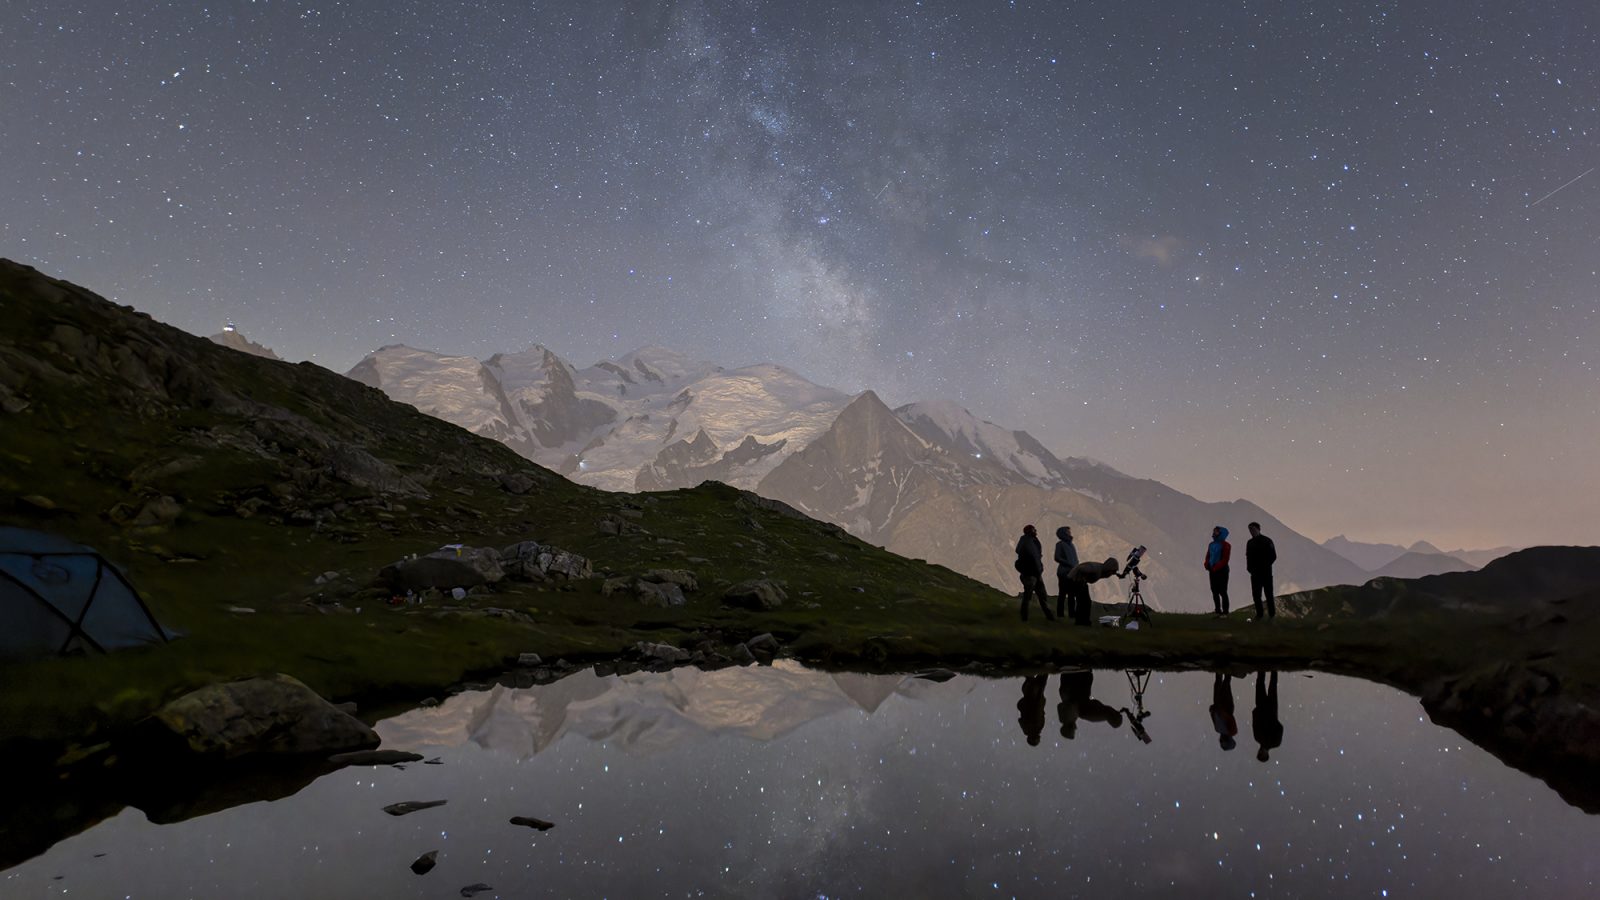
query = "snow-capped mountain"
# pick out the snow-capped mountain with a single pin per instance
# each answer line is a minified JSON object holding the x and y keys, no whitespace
{"x":229,"y":337}
{"x":648,"y":715}
{"x":931,"y":481}
{"x":928,"y":480}
{"x":650,"y":420}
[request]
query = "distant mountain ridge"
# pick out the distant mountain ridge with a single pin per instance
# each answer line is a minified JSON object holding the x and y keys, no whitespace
{"x":1413,"y":564}
{"x":229,"y":337}
{"x":652,"y":419}
{"x":928,"y":480}
{"x":1375,"y":558}
{"x":1515,"y":583}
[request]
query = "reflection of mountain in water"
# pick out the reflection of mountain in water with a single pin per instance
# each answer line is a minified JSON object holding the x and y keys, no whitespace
{"x":647,"y":713}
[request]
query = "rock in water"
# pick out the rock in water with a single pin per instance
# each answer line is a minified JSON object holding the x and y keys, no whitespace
{"x":478,"y":888}
{"x":425,"y":863}
{"x":271,"y":715}
{"x":374,"y":758}
{"x":411,"y":806}
{"x":531,"y":822}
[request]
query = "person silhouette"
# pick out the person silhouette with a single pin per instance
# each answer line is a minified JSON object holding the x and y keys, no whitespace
{"x":1265,"y":726}
{"x":1222,"y":710}
{"x":1030,"y":568}
{"x":1077,"y":704}
{"x":1031,"y":707}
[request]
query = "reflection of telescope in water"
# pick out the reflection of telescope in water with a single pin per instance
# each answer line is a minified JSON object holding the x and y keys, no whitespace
{"x":1138,"y":680}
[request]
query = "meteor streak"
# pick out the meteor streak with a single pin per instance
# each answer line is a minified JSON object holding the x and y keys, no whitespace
{"x":1559,"y":189}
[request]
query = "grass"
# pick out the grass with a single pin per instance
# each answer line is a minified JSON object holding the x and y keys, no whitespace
{"x":283,"y":472}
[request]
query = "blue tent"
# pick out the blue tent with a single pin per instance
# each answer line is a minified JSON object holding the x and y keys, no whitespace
{"x":57,"y":598}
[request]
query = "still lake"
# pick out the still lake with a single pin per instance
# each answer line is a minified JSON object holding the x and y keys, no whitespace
{"x":787,"y":782}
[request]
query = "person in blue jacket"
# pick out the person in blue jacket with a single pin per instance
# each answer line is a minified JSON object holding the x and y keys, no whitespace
{"x":1217,"y":553}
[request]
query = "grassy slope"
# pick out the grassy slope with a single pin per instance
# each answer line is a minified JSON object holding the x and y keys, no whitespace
{"x":120,"y":409}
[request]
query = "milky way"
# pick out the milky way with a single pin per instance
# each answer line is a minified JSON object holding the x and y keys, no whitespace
{"x":1339,"y":261}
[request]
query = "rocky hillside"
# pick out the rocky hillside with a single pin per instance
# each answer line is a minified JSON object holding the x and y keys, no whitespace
{"x":255,"y":504}
{"x":1511,"y":585}
{"x":931,"y":482}
{"x":928,"y":480}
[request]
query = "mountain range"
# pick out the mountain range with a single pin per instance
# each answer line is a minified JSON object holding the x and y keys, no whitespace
{"x":230,"y":337}
{"x":927,"y":480}
{"x":1421,"y":558}
{"x":650,"y":714}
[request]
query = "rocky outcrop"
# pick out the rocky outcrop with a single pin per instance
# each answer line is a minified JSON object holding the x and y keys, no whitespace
{"x":759,"y":595}
{"x":466,"y":567}
{"x":274,"y":715}
{"x":232,"y":339}
{"x":1518,"y":712}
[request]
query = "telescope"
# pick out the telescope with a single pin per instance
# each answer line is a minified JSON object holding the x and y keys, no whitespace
{"x":1132,"y":565}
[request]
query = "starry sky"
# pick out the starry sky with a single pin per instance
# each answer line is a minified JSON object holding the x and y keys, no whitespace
{"x":1341,"y":260}
{"x":936,"y":792}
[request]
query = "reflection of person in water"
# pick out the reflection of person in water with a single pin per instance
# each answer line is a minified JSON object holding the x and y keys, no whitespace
{"x":1264,"y":723}
{"x":1222,"y":710}
{"x":1031,"y":706}
{"x":1077,"y":704}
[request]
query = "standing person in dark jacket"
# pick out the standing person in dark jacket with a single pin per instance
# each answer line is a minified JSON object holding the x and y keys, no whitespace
{"x":1264,"y":722}
{"x":1217,"y":554}
{"x":1031,"y":707}
{"x":1030,"y":565}
{"x":1259,"y":555}
{"x":1066,"y":558}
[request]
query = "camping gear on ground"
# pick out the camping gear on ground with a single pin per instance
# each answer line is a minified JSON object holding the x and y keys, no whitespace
{"x":57,"y":598}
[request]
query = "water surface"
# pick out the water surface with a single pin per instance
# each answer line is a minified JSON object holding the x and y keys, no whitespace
{"x":787,"y":782}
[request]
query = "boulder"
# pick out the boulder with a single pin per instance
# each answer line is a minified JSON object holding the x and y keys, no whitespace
{"x":663,"y":652}
{"x":662,"y":595}
{"x":425,"y":863}
{"x":758,"y":594}
{"x":615,"y":585}
{"x":156,"y":511}
{"x":485,"y":560}
{"x":531,"y":822}
{"x":429,"y":572}
{"x":681,"y":577}
{"x":742,"y":655}
{"x":561,"y":564}
{"x":764,"y":644}
{"x":521,"y":561}
{"x":271,"y":715}
{"x":517,"y":483}
{"x":407,"y":807}
{"x":529,"y":659}
{"x":613,"y":524}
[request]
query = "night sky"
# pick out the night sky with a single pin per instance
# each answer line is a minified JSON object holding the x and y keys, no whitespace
{"x":1342,"y":260}
{"x":678,"y":788}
